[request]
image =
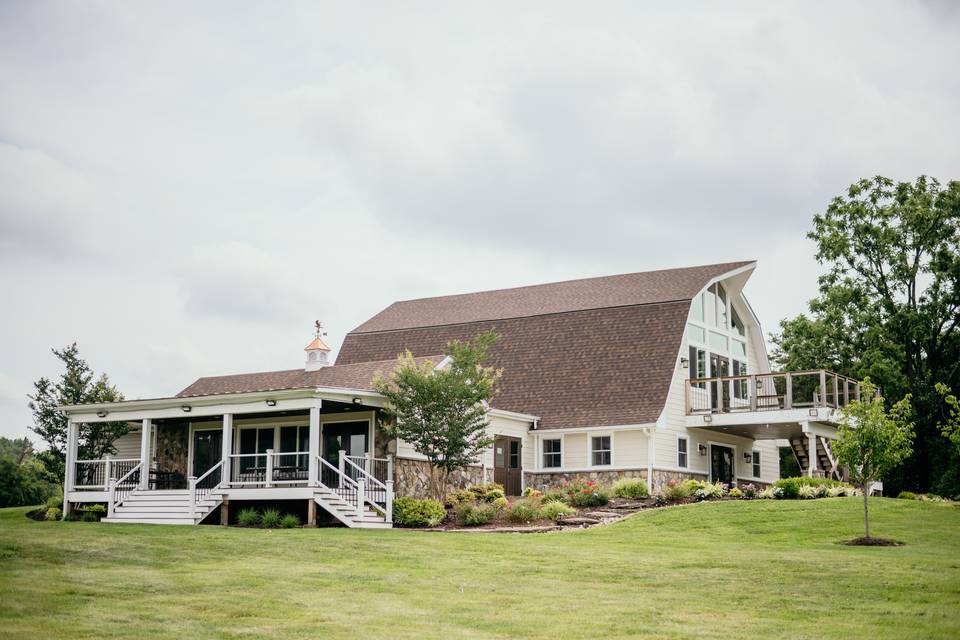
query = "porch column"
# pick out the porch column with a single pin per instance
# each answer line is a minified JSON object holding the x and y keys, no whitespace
{"x":812,"y":454}
{"x":651,"y":453}
{"x":226,"y":448}
{"x":145,"y":434}
{"x":314,"y":445}
{"x":70,"y":467}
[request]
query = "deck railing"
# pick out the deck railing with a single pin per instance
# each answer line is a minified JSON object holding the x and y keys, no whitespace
{"x":93,"y":475}
{"x":771,"y":391}
{"x":119,"y":488}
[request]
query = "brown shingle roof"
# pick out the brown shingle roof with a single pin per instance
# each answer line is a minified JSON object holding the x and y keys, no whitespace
{"x":345,"y":376}
{"x":556,"y":297}
{"x":595,"y":352}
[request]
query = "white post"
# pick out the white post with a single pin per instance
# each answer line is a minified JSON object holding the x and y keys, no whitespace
{"x":226,"y":447}
{"x":145,"y":454}
{"x":368,"y":462}
{"x":343,"y":462}
{"x":106,"y":471}
{"x":361,"y":498}
{"x":193,"y":496}
{"x":651,"y":453}
{"x":390,"y":467}
{"x":70,"y":470}
{"x":269,"y":478}
{"x":812,"y":454}
{"x":112,"y":496}
{"x":313,"y":473}
{"x":389,"y":505}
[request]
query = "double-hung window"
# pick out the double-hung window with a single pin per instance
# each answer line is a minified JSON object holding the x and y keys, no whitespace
{"x":551,"y":453}
{"x":756,"y":464}
{"x":682,"y":453}
{"x":601,"y":453}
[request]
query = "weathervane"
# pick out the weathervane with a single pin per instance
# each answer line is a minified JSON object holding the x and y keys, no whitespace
{"x":319,"y":327}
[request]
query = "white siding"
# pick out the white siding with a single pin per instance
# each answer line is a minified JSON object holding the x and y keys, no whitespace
{"x":499,"y":426}
{"x":128,"y":446}
{"x":574,"y":450}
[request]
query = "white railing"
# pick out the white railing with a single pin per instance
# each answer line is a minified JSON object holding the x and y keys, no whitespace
{"x":374,"y":491}
{"x":118,"y":490}
{"x":96,"y":474}
{"x":202,"y":486}
{"x":269,"y":468}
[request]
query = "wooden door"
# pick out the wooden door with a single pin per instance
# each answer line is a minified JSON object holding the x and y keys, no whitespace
{"x":508,"y":465}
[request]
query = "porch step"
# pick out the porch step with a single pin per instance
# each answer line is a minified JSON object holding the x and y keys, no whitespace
{"x":346,"y":512}
{"x":148,"y":519}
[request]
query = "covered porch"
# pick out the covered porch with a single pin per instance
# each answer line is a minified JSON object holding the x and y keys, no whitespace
{"x":197,"y":453}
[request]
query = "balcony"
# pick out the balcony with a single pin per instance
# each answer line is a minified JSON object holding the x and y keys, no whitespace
{"x":784,"y":391}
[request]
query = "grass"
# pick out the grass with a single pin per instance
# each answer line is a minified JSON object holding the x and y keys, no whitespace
{"x":762,"y":569}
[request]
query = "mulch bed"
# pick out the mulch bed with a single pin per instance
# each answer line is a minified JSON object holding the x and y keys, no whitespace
{"x":37,"y":514}
{"x":872,"y":542}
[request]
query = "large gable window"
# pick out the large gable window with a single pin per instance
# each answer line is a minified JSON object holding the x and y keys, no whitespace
{"x":600,"y":451}
{"x":552,"y":456}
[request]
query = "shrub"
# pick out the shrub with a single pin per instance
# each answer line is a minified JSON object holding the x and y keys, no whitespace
{"x":488,"y":492}
{"x":474,"y":515}
{"x":631,"y":488}
{"x":675,"y":490}
{"x":791,"y":486}
{"x":749,"y":490}
{"x":89,"y":516}
{"x":55,"y":502}
{"x":586,"y":494}
{"x":770,"y":493}
{"x":411,"y":512}
{"x":290,"y":521}
{"x":54,"y":513}
{"x":906,"y":495}
{"x":807,"y":491}
{"x":500,"y":502}
{"x":270,"y":518}
{"x":834,"y":492}
{"x":735,"y":493}
{"x":530,"y":492}
{"x":556,"y":511}
{"x":248,"y":518}
{"x":92,"y":513}
{"x":526,"y":510}
{"x":463,"y":496}
{"x":554,"y":495}
{"x":95,"y":508}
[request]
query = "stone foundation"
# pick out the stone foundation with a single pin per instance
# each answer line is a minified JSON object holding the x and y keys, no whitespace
{"x":412,"y":478}
{"x":545,"y":481}
{"x":661,"y":478}
{"x":172,"y":447}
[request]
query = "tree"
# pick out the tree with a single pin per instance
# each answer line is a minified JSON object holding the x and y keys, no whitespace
{"x":871,"y":440}
{"x":950,"y":425}
{"x":442,"y":413}
{"x":23,"y":479}
{"x":889,"y":307}
{"x":76,"y":385}
{"x":19,"y":450}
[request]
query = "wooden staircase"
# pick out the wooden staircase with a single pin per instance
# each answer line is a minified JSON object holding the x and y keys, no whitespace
{"x":162,"y":507}
{"x":346,"y":512}
{"x":801,"y":451}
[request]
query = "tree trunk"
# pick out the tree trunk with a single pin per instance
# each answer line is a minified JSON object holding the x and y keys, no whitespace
{"x":866,"y":515}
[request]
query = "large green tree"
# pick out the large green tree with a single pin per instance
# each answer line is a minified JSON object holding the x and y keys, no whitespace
{"x":888,"y":308}
{"x":442,"y":412}
{"x":76,"y":385}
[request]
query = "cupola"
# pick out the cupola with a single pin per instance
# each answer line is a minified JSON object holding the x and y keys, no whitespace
{"x":317,"y":351}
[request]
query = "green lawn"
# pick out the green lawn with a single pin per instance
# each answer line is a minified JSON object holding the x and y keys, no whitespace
{"x":725,"y":570}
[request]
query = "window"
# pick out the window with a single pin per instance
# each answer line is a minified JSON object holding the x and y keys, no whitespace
{"x":698,"y":365}
{"x":741,"y":388}
{"x":718,"y":341}
{"x":600,"y":448}
{"x":756,"y":464}
{"x":737,"y":322}
{"x":739,"y":348}
{"x":551,"y":453}
{"x":295,"y":440}
{"x":696,"y":334}
{"x":721,"y":306}
{"x":682,"y":452}
{"x":696,"y":310}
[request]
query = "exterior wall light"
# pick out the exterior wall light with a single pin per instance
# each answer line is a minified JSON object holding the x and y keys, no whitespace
{"x":702,"y":449}
{"x":186,"y":408}
{"x":357,"y":401}
{"x":812,"y":412}
{"x":685,"y":362}
{"x":708,"y":418}
{"x":747,"y":457}
{"x":271,"y":402}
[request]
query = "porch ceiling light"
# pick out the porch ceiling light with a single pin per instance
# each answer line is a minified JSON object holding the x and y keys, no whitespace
{"x":101,"y":414}
{"x":357,"y":401}
{"x":186,"y":408}
{"x":708,"y":418}
{"x":271,"y":402}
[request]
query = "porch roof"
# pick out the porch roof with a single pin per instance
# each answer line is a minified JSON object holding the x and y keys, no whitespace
{"x":346,"y":376}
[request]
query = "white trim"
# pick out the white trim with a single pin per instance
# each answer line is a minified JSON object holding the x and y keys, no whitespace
{"x":679,"y":470}
{"x":540,"y":452}
{"x":753,"y":453}
{"x":616,"y":427}
{"x":503,"y":413}
{"x":685,"y":438}
{"x":590,"y":438}
{"x":710,"y":445}
{"x":590,"y":469}
{"x":351,"y":416}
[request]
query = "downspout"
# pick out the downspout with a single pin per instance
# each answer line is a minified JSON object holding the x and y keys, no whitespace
{"x":651,"y":453}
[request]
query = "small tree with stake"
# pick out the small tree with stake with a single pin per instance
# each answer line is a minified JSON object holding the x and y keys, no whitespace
{"x":442,"y":412}
{"x":872,"y":441}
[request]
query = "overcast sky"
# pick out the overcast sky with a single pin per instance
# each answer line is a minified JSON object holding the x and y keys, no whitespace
{"x":184,"y":189}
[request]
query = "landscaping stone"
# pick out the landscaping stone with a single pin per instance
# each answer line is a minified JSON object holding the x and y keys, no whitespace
{"x":579,"y":520}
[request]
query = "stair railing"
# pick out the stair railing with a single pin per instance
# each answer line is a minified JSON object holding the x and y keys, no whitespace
{"x":378,"y":494}
{"x":332,"y":478}
{"x":201,"y":487}
{"x":120,"y":489}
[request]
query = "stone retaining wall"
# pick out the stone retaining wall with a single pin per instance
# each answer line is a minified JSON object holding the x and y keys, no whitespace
{"x":544,"y":481}
{"x":412,"y":478}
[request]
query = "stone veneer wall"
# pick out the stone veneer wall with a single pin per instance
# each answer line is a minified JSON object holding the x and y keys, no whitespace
{"x":544,"y":481}
{"x":412,"y":478}
{"x":172,"y":443}
{"x":661,"y":478}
